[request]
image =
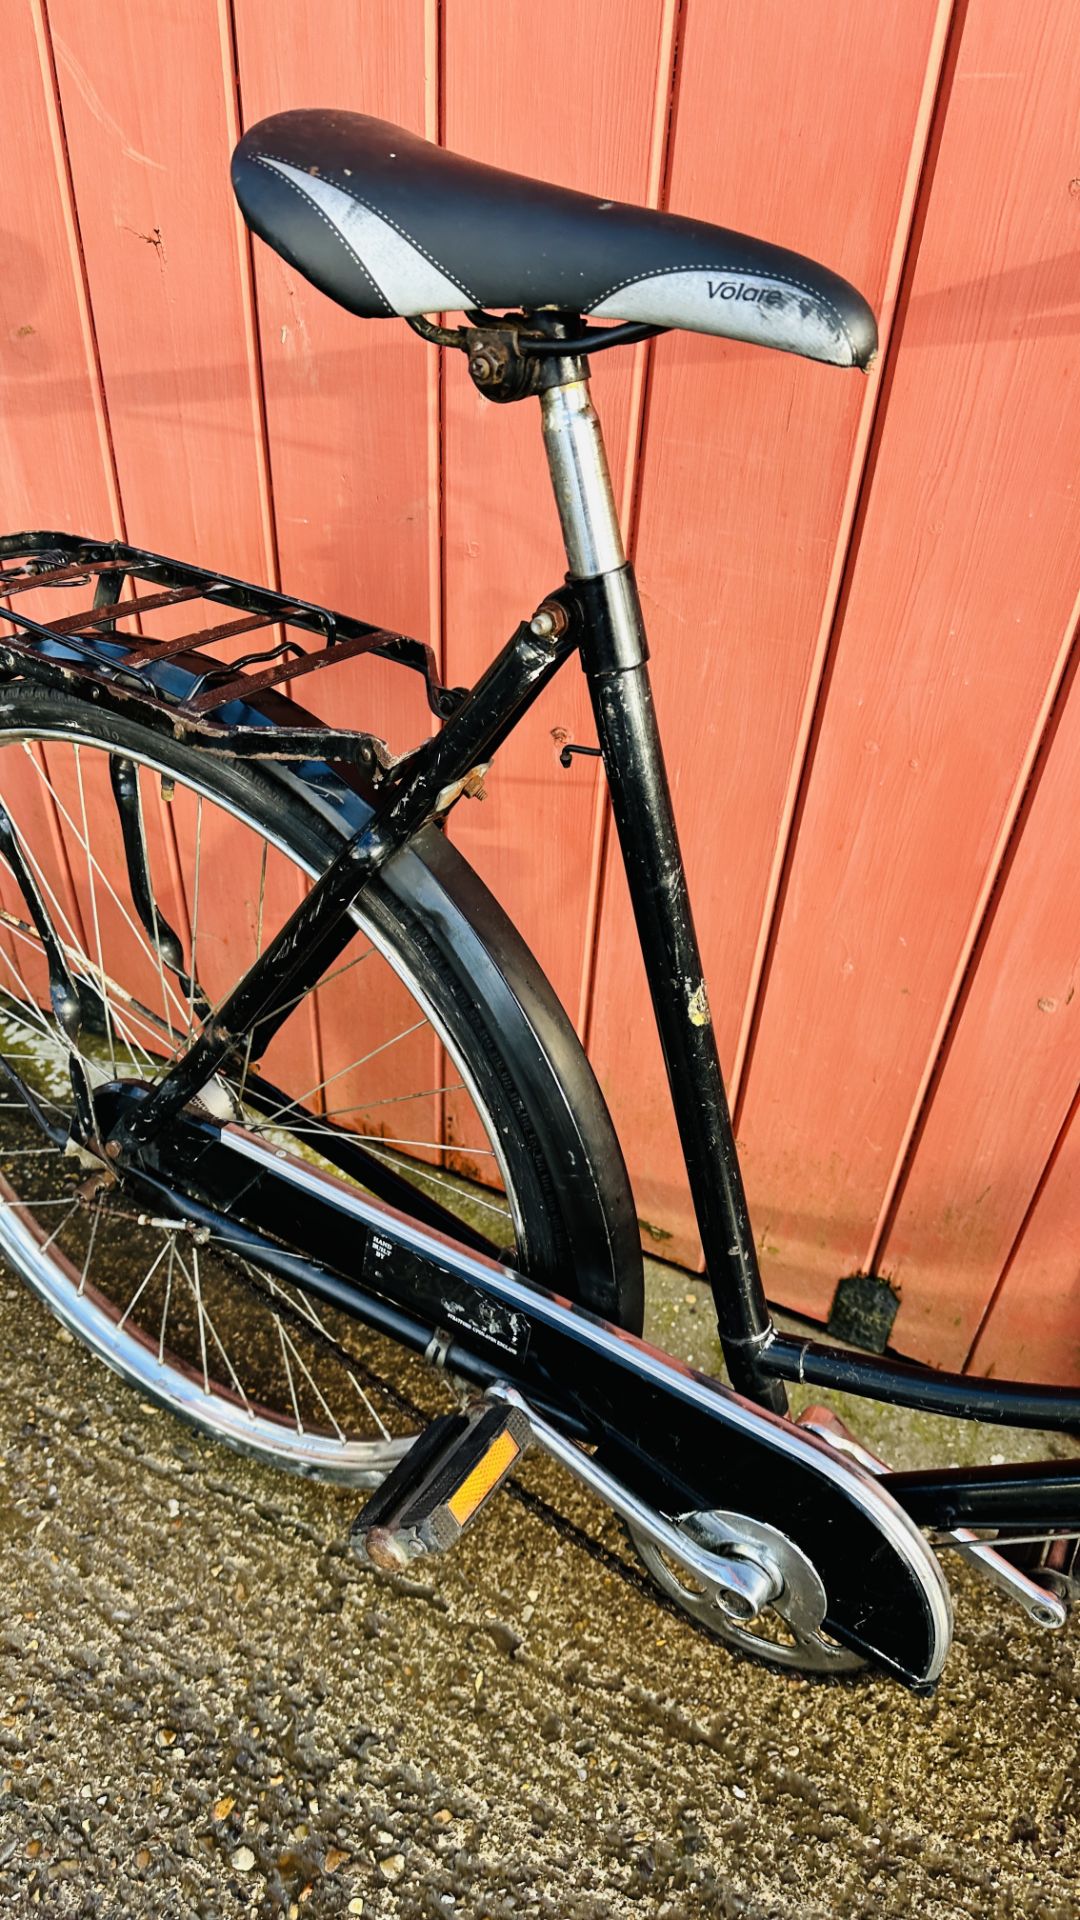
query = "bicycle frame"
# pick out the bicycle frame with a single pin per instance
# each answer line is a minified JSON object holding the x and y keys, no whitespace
{"x":597,"y":615}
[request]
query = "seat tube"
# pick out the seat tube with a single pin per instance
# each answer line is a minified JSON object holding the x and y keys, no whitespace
{"x":614,"y":656}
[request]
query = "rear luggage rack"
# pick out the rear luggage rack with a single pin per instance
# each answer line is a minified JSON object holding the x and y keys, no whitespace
{"x":87,"y":649}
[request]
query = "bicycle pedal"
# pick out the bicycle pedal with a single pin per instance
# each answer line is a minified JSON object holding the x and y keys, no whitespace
{"x":440,"y":1485}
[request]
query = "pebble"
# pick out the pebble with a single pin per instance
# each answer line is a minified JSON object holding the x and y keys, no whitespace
{"x":356,"y":1906}
{"x":393,"y":1867}
{"x":243,"y":1859}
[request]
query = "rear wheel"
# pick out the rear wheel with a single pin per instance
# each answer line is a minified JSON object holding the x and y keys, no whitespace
{"x":433,"y":1061}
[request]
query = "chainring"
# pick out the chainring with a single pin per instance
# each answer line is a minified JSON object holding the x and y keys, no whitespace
{"x":788,"y":1632}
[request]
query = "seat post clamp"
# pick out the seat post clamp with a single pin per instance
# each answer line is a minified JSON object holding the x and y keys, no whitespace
{"x":497,"y":367}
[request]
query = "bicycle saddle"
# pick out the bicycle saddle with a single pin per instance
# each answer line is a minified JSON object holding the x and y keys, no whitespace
{"x":388,"y":224}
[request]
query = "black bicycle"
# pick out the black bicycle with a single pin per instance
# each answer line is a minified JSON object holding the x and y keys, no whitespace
{"x":284,"y":1093}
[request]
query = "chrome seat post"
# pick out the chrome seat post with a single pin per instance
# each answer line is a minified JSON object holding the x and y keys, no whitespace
{"x":577,"y":461}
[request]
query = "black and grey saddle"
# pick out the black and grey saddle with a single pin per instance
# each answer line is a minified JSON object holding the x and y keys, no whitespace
{"x":387,"y":224}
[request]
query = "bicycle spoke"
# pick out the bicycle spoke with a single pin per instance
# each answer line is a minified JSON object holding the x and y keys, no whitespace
{"x":54,"y":1033}
{"x":197,"y":1286}
{"x":42,"y":880}
{"x":289,"y":1374}
{"x":67,"y":1007}
{"x":29,"y":1100}
{"x":73,"y":1208}
{"x":324,"y":981}
{"x":425,"y":1174}
{"x":369,"y":1408}
{"x":63,"y":1201}
{"x":194,"y":974}
{"x":39,"y":1022}
{"x":395,"y":1100}
{"x":168,"y":1299}
{"x":304,"y":1306}
{"x":204,"y":1315}
{"x":309,"y":1377}
{"x":365,"y":1139}
{"x":134,"y":1010}
{"x":145,"y":1282}
{"x":90,"y":864}
{"x":62,"y":993}
{"x":55,"y":1036}
{"x":321,"y":1085}
{"x":90,"y":1249}
{"x":95,"y":976}
{"x":103,"y":877}
{"x":258,"y":956}
{"x":78,"y":1065}
{"x":106,"y":990}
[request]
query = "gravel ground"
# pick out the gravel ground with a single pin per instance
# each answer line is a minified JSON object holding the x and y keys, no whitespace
{"x":207,"y":1709}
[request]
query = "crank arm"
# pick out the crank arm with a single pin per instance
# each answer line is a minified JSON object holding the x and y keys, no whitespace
{"x":678,"y":1441}
{"x":1040,"y":1605}
{"x":741,"y":1583}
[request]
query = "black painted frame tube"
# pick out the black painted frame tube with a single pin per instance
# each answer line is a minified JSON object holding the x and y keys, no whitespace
{"x":614,"y":655}
{"x":900,"y":1383}
{"x":1026,"y":1495}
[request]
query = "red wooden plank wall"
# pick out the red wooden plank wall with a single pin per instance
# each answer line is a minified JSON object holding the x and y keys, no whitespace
{"x":862,"y":595}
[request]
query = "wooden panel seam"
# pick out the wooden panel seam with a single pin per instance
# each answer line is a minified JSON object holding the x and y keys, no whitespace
{"x":1005,"y":842}
{"x":66,"y":186}
{"x":661,"y":147}
{"x":434,"y":69}
{"x":256,"y":384}
{"x":230,"y":79}
{"x":1017,"y":1246}
{"x":434,"y":130}
{"x":933,"y":106}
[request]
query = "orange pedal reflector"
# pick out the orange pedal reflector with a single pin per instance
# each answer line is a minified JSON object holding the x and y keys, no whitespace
{"x":484,"y":1477}
{"x":439,"y":1486}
